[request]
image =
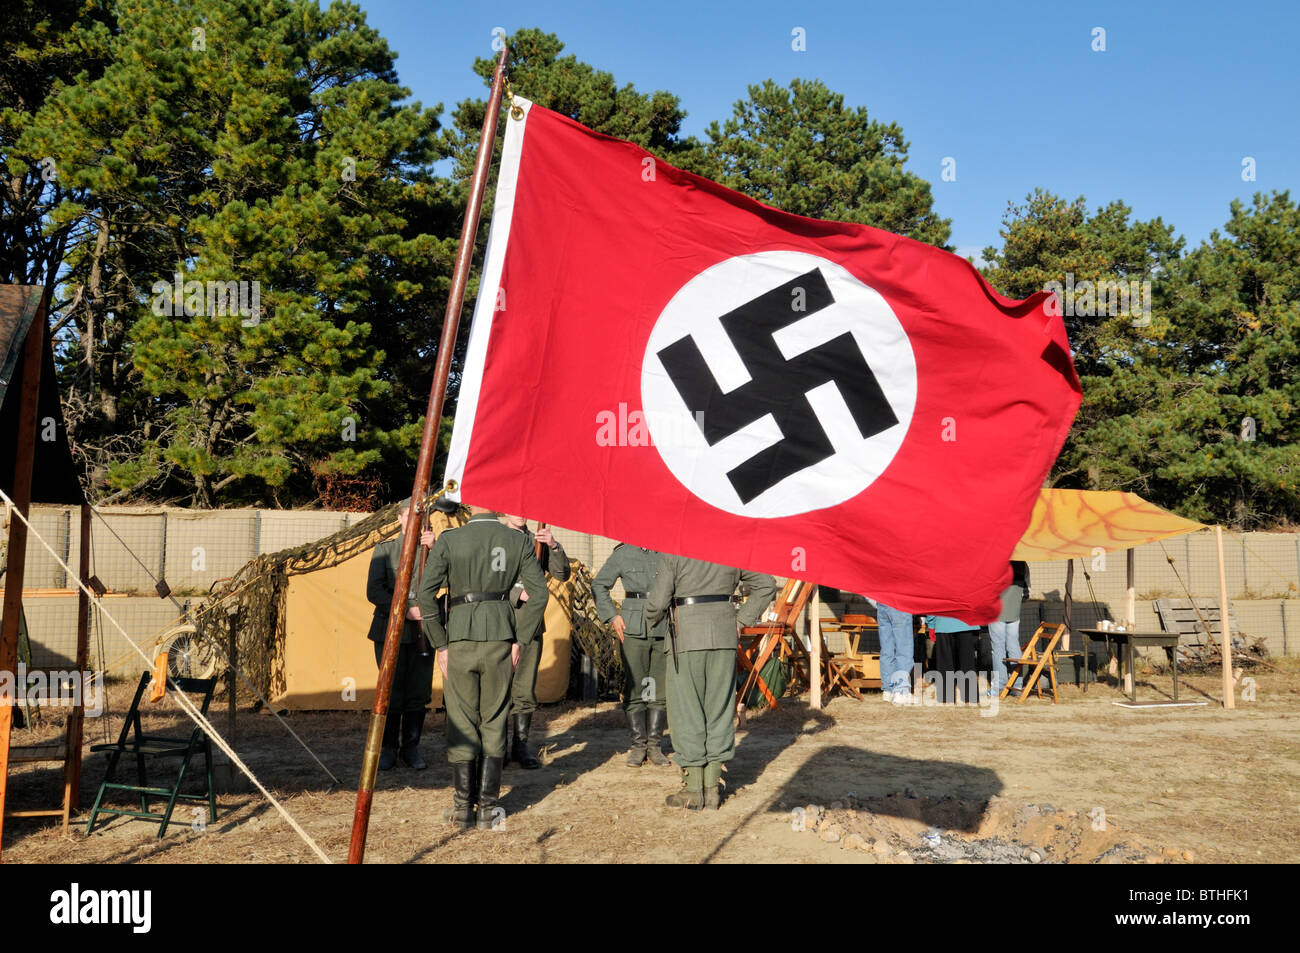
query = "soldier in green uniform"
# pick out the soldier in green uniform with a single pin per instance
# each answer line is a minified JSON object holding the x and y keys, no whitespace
{"x":642,"y":648}
{"x":702,"y":677}
{"x":413,"y":676}
{"x":523,"y":692}
{"x":478,"y":648}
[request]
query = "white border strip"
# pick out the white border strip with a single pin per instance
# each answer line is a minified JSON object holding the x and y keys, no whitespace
{"x":485,"y":308}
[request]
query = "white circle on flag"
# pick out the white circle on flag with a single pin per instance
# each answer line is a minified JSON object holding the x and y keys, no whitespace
{"x":710,"y":471}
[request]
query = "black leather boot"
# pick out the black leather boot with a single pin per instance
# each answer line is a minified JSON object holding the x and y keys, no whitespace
{"x":412,"y":726}
{"x":464,"y":789}
{"x":636,"y":723}
{"x":489,"y":791}
{"x":657,"y":720}
{"x":392,"y":730}
{"x":519,"y":751}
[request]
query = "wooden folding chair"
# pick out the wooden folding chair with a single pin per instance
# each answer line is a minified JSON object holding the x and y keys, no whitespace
{"x":134,"y":741}
{"x":757,"y":643}
{"x":1037,"y":659}
{"x":852,"y":670}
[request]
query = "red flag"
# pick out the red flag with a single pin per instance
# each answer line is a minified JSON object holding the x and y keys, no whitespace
{"x":657,"y":359}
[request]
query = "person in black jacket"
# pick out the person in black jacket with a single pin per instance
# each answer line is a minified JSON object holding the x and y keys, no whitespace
{"x":413,"y":676}
{"x":523,"y":692}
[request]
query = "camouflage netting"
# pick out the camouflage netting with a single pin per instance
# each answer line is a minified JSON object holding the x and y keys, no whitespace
{"x":258,"y":594}
{"x":591,"y":637}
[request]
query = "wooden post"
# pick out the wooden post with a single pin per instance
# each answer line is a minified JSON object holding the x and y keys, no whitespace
{"x":232,"y":680}
{"x":1130,"y":617}
{"x":1225,"y":634}
{"x":77,"y":717}
{"x":815,"y":649}
{"x":23,"y":455}
{"x":1069,"y":604}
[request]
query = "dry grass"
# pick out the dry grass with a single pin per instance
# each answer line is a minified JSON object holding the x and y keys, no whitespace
{"x":1222,"y":784}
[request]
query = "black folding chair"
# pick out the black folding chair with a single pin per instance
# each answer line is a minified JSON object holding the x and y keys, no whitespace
{"x":134,"y":741}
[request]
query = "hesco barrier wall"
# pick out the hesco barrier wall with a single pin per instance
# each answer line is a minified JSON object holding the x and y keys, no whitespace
{"x":193,"y":549}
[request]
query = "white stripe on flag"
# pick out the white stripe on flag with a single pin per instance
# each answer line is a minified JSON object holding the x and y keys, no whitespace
{"x":485,"y":308}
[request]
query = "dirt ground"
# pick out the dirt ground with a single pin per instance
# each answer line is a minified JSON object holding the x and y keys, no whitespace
{"x":858,"y":782}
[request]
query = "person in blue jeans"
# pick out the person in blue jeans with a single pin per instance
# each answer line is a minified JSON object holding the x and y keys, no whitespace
{"x":895,"y":630}
{"x":1004,"y":634}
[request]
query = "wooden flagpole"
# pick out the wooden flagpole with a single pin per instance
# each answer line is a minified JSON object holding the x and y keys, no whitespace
{"x":424,"y":465}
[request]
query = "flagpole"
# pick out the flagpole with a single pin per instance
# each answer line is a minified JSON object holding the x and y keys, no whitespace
{"x":424,"y":464}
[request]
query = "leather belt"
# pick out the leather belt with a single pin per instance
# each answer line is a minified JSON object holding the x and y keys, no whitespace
{"x":696,"y":600}
{"x":636,"y":595}
{"x":476,"y":597}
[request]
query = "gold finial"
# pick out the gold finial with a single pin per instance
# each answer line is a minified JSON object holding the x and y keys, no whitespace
{"x":516,"y":111}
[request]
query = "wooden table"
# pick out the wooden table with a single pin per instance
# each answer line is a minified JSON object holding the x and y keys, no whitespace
{"x":1130,"y":640}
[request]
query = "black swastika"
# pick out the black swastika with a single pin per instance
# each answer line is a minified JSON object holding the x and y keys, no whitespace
{"x":777,"y":386}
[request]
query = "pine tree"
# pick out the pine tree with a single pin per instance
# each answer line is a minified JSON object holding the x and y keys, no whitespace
{"x":259,"y":146}
{"x":802,"y":150}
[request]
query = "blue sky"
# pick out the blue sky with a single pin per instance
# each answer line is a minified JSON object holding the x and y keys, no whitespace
{"x":1162,"y":119}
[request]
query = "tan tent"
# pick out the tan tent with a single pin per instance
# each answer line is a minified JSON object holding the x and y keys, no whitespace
{"x":328,"y":663}
{"x":1069,"y":523}
{"x":1076,"y":523}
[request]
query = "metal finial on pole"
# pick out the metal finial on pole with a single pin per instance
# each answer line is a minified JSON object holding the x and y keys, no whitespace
{"x":424,"y":464}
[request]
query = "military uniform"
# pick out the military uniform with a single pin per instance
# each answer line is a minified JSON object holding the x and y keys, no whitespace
{"x":642,"y":648}
{"x":413,"y":676}
{"x":523,"y":690}
{"x":479,"y":563}
{"x":702,"y":686}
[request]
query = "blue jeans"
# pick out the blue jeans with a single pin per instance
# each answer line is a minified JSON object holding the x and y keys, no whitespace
{"x":1004,"y":642}
{"x":895,"y":649}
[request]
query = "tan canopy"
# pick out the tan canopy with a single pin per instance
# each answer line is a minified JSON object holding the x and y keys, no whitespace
{"x":1069,"y":523}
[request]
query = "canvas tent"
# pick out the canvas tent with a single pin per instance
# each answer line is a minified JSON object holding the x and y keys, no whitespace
{"x":303,"y":619}
{"x":1084,"y":523}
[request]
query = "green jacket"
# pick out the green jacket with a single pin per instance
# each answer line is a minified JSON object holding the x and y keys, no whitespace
{"x":484,"y":555}
{"x":636,"y":566}
{"x":711,"y":625}
{"x":380,"y":583}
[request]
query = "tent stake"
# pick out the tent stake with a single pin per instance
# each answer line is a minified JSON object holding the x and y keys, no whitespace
{"x":424,"y":465}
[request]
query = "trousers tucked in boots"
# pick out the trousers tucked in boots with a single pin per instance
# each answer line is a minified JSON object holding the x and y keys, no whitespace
{"x":519,"y":750}
{"x":691,"y":796}
{"x":412,"y":727}
{"x":657,"y":720}
{"x":392,"y":734}
{"x":712,"y":785}
{"x":636,"y":723}
{"x":464,"y":790}
{"x":489,"y":791}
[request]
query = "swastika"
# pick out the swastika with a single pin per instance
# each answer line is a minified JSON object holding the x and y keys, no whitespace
{"x":777,"y":386}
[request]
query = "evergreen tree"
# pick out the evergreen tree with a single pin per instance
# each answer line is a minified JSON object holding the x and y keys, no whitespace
{"x":258,"y":146}
{"x":1166,"y":395}
{"x":1229,"y":424}
{"x":802,"y":150}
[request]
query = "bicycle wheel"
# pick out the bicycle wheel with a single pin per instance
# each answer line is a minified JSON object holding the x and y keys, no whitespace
{"x":189,"y":655}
